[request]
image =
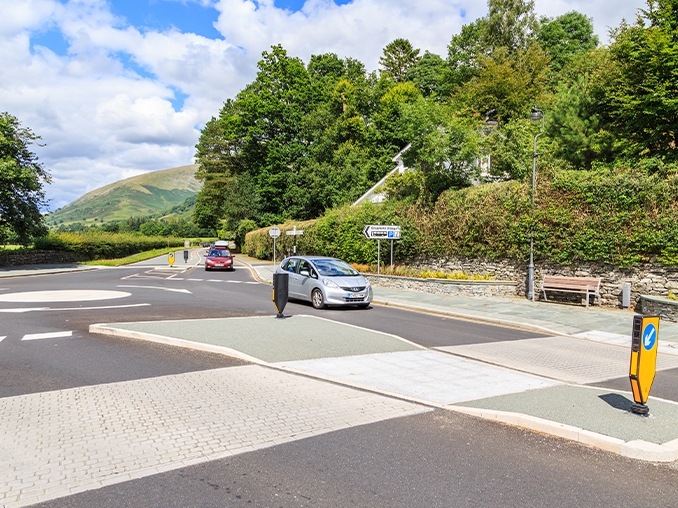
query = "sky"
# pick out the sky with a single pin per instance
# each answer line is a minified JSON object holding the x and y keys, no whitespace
{"x":117,"y":88}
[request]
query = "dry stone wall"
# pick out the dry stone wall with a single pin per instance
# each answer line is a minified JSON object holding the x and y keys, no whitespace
{"x":653,"y":279}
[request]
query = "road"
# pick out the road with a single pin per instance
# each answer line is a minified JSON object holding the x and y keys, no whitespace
{"x":432,"y":458}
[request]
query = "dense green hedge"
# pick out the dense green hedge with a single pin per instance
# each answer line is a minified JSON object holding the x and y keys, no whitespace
{"x":621,"y":217}
{"x":102,"y":245}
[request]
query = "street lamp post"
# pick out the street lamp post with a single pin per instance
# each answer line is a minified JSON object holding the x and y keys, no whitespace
{"x":537,"y":114}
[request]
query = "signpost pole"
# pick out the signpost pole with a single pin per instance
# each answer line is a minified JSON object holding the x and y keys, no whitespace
{"x":274,"y":253}
{"x":378,"y":260}
{"x":295,"y":240}
{"x":391,"y":255}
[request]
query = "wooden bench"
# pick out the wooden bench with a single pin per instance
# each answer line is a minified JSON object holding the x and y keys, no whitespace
{"x":584,"y":285}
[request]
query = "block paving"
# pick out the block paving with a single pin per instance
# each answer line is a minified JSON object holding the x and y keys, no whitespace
{"x":54,"y":444}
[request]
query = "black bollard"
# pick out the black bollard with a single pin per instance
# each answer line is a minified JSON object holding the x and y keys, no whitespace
{"x":280,"y":290}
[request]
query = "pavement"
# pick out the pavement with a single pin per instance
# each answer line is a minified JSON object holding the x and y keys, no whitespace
{"x":311,"y":375}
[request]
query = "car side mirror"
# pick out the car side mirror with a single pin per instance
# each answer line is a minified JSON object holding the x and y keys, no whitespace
{"x":305,"y":273}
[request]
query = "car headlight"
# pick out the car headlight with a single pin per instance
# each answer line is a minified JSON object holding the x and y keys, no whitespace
{"x":330,"y":283}
{"x":367,"y":284}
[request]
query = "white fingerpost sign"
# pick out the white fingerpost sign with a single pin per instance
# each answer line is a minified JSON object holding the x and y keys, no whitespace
{"x":295,"y":232}
{"x":274,"y":233}
{"x":378,"y":232}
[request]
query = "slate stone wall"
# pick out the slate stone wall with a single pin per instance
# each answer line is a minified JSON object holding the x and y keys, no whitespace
{"x":654,"y":279}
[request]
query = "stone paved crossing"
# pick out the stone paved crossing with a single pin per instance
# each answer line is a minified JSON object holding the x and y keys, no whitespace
{"x":54,"y":444}
{"x":563,"y":358}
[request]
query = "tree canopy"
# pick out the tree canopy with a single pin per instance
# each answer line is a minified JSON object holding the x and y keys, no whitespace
{"x":22,"y":179}
{"x":304,"y":138}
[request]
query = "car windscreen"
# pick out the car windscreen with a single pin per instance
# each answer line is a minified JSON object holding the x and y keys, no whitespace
{"x":220,"y":253}
{"x":334,"y":268}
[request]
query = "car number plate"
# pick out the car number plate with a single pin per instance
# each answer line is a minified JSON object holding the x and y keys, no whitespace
{"x":218,"y":264}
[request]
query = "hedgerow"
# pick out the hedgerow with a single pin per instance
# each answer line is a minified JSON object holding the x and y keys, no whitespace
{"x":102,"y":245}
{"x":621,"y":216}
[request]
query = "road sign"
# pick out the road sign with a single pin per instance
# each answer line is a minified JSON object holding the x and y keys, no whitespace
{"x":274,"y":232}
{"x":171,"y":258}
{"x":294,"y":233}
{"x":187,"y":243}
{"x":379,"y":232}
{"x":644,"y":342}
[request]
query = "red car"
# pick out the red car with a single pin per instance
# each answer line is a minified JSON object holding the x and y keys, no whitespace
{"x":219,"y":259}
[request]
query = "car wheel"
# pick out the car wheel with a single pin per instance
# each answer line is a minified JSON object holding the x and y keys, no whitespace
{"x":207,"y":269}
{"x":317,"y":299}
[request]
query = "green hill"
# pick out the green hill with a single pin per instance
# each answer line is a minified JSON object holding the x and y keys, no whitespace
{"x":143,"y":195}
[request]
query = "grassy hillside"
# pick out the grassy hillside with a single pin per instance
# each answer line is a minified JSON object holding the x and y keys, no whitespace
{"x":146,"y":194}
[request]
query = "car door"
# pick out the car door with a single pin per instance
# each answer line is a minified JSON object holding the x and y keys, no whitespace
{"x":306,"y":280}
{"x":293,"y":278}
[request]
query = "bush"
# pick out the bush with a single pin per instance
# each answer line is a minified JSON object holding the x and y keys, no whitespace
{"x":101,"y":245}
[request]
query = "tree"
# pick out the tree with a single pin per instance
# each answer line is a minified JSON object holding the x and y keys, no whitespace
{"x":399,"y":56}
{"x":462,"y":53}
{"x":565,"y":36}
{"x":510,"y":84}
{"x":428,"y":74}
{"x":509,"y":24}
{"x":579,"y":121}
{"x":21,"y":181}
{"x":644,"y":98}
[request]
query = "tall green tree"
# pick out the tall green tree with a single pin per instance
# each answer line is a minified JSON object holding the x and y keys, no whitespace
{"x":644,"y":98}
{"x":22,"y":180}
{"x":399,"y":56}
{"x":462,"y":53}
{"x":428,"y":74}
{"x":509,"y":24}
{"x":565,"y":36}
{"x":579,"y":120}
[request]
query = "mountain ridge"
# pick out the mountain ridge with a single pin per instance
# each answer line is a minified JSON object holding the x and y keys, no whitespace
{"x":141,"y":195}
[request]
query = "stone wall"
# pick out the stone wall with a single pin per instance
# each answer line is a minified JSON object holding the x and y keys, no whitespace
{"x":443,"y":287}
{"x":657,"y":306}
{"x":653,"y":279}
{"x":39,"y":257}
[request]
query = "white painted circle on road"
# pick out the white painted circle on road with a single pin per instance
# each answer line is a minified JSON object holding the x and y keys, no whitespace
{"x":65,"y":295}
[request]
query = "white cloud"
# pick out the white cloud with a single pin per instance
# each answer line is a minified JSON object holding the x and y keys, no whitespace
{"x":104,"y":108}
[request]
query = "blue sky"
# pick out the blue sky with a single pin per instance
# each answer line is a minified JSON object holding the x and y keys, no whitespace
{"x":116,"y":88}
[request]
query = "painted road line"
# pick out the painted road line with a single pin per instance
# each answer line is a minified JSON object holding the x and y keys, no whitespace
{"x":29,"y":309}
{"x":45,"y":309}
{"x":157,"y":287}
{"x":195,"y":280}
{"x":3,"y":337}
{"x":48,"y":335}
{"x":214,"y":280}
{"x":235,"y":281}
{"x":64,"y":295}
{"x":248,"y":282}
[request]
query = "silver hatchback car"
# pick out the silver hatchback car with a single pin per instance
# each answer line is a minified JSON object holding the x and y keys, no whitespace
{"x":325,"y":281}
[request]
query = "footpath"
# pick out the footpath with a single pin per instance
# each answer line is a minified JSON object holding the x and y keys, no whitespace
{"x":581,"y":347}
{"x":550,"y":384}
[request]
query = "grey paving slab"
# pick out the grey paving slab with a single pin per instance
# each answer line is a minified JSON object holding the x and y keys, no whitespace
{"x":564,"y":358}
{"x":53,"y":444}
{"x":595,"y":409}
{"x":275,"y":340}
{"x":424,"y":375}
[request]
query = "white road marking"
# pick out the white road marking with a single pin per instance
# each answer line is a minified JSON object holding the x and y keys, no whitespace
{"x":214,"y":280}
{"x":172,"y":277}
{"x":48,"y":335}
{"x":157,"y":287}
{"x":64,"y":295}
{"x":3,"y":337}
{"x":43,"y":309}
{"x":195,"y":280}
{"x":248,"y":282}
{"x":234,"y":281}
